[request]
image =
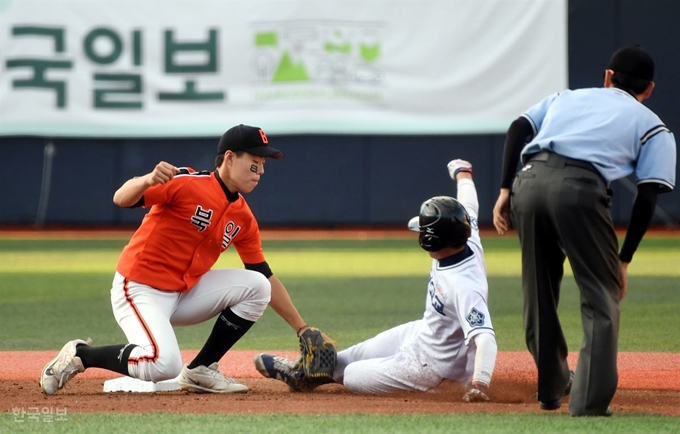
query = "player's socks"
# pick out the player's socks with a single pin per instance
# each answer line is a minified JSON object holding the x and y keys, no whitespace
{"x":228,"y":329}
{"x":111,"y":357}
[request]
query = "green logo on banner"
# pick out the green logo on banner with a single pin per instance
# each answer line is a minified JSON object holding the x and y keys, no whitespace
{"x":318,"y":53}
{"x":289,"y":71}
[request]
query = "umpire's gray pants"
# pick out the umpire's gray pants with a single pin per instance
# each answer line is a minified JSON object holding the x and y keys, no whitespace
{"x":561,"y":209}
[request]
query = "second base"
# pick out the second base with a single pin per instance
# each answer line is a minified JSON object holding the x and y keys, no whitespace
{"x":129,"y":384}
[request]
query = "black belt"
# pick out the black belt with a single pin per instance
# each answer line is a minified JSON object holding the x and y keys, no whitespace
{"x":557,"y":160}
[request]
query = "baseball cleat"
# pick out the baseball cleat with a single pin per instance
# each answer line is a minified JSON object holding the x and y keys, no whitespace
{"x":209,"y":379}
{"x":290,"y":372}
{"x":62,"y":368}
{"x":279,"y":368}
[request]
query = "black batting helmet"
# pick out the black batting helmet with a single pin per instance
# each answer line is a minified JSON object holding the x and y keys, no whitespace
{"x":442,"y":222}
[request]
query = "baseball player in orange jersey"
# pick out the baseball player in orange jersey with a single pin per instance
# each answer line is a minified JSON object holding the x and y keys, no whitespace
{"x":164,"y":278}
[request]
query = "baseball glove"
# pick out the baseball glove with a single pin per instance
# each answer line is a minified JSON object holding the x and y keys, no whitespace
{"x":318,"y":355}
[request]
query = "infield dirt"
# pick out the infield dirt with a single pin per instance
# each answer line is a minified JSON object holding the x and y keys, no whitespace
{"x":648,"y":383}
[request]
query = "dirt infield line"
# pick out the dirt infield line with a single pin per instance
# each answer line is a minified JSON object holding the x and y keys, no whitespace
{"x":637,"y":371}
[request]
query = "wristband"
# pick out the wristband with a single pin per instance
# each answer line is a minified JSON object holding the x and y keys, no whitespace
{"x":461,"y":169}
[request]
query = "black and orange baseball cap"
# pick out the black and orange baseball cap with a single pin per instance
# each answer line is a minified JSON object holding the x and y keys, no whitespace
{"x":252,"y":140}
{"x":634,"y":62}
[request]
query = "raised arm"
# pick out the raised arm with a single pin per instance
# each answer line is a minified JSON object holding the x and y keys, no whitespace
{"x":461,"y":172}
{"x":133,"y":189}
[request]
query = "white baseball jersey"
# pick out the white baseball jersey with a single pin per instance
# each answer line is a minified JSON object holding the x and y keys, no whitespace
{"x":456,"y":306}
{"x":418,"y":355}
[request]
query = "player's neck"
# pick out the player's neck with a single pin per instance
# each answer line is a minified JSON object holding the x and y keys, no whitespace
{"x":223,"y":174}
{"x":446,"y":252}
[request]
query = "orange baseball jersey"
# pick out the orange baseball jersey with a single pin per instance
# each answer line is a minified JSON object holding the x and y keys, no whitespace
{"x":189,"y":225}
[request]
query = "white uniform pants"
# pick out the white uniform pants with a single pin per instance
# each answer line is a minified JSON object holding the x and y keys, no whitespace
{"x":147,"y":315}
{"x":389,"y":362}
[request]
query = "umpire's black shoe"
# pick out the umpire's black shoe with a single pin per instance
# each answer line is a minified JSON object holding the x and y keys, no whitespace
{"x":557,"y":403}
{"x":550,"y":405}
{"x":607,"y":413}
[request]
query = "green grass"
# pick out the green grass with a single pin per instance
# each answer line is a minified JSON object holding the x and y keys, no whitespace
{"x":41,"y":311}
{"x":357,"y":423}
{"x":55,"y":290}
{"x":52,"y":291}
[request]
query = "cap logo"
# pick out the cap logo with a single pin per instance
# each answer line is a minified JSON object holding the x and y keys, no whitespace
{"x":264,"y":136}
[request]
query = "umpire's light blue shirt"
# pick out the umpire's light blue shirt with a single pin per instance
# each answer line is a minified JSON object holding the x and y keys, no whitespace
{"x":607,"y":127}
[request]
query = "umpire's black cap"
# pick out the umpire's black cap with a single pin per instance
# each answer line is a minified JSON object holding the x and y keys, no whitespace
{"x":252,"y":140}
{"x":634,"y":62}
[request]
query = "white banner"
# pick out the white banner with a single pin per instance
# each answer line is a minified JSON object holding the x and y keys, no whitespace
{"x":150,"y":68}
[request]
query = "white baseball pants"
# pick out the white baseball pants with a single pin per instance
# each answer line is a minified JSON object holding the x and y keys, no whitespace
{"x":387,"y":363}
{"x":147,"y":315}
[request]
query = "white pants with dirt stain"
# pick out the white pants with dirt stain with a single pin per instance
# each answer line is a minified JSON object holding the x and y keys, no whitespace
{"x":387,"y":363}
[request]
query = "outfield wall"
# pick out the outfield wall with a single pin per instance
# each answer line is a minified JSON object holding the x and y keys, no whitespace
{"x":339,"y":180}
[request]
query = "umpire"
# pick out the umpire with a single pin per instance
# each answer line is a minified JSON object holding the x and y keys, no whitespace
{"x":572,"y":145}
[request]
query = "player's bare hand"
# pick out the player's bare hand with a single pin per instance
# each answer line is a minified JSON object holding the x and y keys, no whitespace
{"x":162,"y":173}
{"x":623,"y":274}
{"x":476,"y":393}
{"x":501,"y":212}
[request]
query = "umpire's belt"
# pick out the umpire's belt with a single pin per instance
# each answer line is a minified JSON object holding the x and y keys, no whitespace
{"x":556,"y":160}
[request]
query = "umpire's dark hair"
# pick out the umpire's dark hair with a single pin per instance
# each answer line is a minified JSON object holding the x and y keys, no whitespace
{"x":629,"y":84}
{"x":633,"y":69}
